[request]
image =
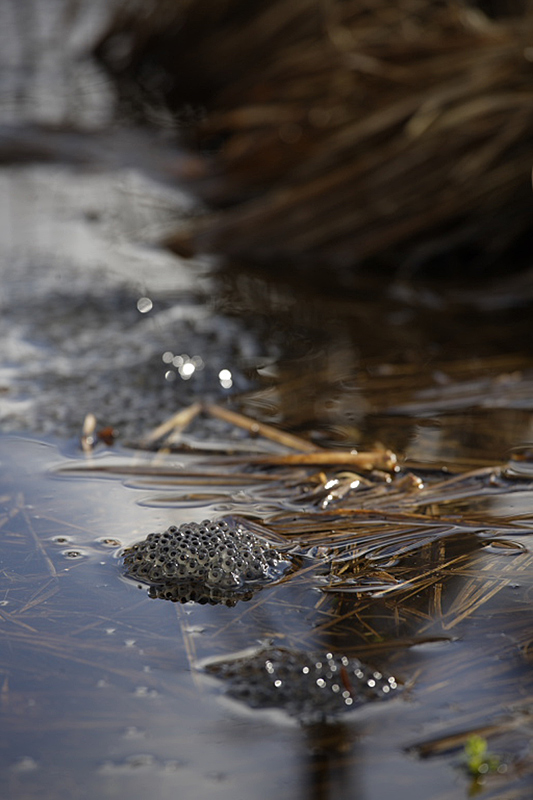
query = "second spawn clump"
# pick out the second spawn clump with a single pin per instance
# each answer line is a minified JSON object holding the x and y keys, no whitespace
{"x":213,"y":561}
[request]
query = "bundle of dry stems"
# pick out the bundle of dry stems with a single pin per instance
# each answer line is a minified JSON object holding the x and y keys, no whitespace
{"x":336,"y":131}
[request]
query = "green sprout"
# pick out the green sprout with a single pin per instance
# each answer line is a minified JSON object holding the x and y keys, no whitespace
{"x":477,"y":758}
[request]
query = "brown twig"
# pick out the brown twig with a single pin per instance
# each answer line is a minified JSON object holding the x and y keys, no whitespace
{"x":260,"y":429}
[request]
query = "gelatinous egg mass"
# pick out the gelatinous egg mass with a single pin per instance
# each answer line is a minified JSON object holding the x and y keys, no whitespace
{"x":308,"y":686}
{"x":206,"y":562}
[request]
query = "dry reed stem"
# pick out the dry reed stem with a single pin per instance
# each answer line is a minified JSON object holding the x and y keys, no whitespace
{"x":43,"y":594}
{"x":369,"y":460}
{"x":308,"y":455}
{"x":260,"y":428}
{"x":454,"y":741}
{"x":38,"y":544}
{"x":349,"y":129}
{"x":177,"y":422}
{"x":348,"y":536}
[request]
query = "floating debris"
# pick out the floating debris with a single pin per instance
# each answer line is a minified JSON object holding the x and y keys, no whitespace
{"x":214,"y":561}
{"x":308,"y":686}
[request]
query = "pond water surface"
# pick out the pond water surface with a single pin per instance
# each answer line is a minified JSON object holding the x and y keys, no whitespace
{"x":102,"y":694}
{"x":425,"y":573}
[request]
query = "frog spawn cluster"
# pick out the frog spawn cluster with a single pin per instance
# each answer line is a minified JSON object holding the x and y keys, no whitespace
{"x":307,"y":686}
{"x":208,"y":562}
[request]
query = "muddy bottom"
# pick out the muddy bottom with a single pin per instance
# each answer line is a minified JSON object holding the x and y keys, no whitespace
{"x":104,"y":691}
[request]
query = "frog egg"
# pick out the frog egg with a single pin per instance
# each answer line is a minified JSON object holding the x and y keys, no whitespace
{"x":303,"y":684}
{"x":210,"y":554}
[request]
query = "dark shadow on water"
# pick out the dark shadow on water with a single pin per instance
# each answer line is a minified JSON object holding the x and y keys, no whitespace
{"x":328,"y":760}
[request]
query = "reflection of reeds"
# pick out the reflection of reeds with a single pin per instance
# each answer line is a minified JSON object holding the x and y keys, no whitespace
{"x":389,"y":537}
{"x":346,"y":129}
{"x":462,"y":413}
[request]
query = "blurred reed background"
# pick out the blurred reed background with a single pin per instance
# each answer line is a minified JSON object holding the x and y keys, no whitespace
{"x":336,"y":134}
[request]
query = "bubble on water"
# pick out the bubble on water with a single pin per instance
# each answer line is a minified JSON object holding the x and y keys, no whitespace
{"x":226,"y":379}
{"x":73,"y":553}
{"x":504,"y":547}
{"x":144,"y":305}
{"x":187,"y":370}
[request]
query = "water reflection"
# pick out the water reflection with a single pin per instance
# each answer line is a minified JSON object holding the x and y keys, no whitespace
{"x":329,"y":760}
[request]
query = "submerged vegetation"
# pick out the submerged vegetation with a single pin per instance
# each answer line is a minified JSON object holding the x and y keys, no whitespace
{"x":478,"y":759}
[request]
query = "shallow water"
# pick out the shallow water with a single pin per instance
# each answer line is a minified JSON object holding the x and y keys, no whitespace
{"x":101,"y":687}
{"x":101,"y":691}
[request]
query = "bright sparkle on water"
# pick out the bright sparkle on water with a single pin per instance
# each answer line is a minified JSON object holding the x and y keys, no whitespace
{"x":144,"y":305}
{"x":186,"y":370}
{"x":185,"y":365}
{"x":225,"y":378}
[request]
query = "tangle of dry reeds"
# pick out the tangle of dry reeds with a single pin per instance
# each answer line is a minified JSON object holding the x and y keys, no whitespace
{"x":339,"y":132}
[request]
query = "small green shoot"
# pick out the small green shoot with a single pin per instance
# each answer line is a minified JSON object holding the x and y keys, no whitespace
{"x":477,"y":758}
